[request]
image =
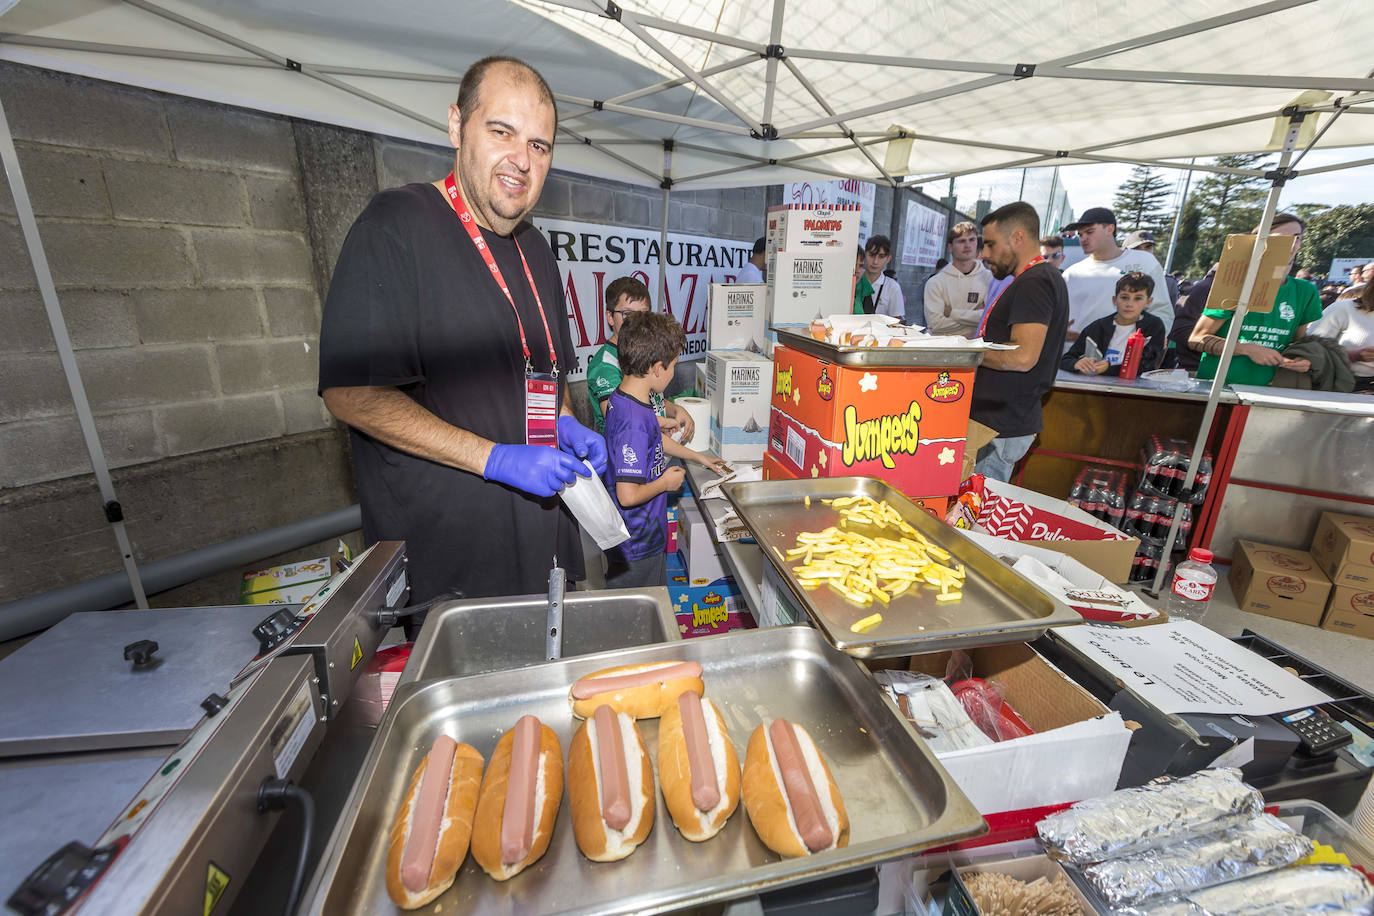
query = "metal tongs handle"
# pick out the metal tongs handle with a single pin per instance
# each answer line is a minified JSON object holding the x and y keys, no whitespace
{"x":553,"y":634}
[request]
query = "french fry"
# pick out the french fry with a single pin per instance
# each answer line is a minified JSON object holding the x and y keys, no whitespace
{"x":866,"y":624}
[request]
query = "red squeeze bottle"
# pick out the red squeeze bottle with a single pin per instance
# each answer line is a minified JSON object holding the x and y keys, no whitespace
{"x":1130,"y":359}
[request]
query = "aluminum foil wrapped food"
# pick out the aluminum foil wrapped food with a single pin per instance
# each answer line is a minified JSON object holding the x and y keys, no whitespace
{"x":1165,"y":810}
{"x":1303,"y":890}
{"x":1262,"y":844}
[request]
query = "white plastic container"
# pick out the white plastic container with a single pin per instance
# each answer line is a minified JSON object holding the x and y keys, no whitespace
{"x":1194,"y":581}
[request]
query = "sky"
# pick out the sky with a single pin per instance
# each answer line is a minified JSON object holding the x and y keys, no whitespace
{"x":1095,"y":185}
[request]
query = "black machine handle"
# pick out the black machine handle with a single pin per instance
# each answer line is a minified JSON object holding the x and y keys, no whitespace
{"x":141,"y":654}
{"x":62,"y":878}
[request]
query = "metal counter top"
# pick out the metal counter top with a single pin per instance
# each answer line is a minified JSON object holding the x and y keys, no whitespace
{"x":1106,"y":384}
{"x":1332,"y":402}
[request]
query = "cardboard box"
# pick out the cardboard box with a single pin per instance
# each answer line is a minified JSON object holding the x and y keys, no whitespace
{"x":739,"y":383}
{"x":937,"y":506}
{"x":708,"y":608}
{"x":1278,"y":582}
{"x":1344,"y":548}
{"x":700,"y":384}
{"x":292,"y":583}
{"x":672,"y":529}
{"x":977,"y":436}
{"x":808,"y":285}
{"x":1351,"y":611}
{"x":1076,"y":751}
{"x":811,"y":229}
{"x":959,"y":902}
{"x":903,"y":425}
{"x":1235,"y":260}
{"x":738,"y":316}
{"x":697,"y":546}
{"x":1043,"y":521}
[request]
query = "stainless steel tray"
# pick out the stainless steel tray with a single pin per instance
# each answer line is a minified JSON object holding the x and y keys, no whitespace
{"x":998,"y":605}
{"x":905,"y":357}
{"x":899,"y":799}
{"x":478,"y":635}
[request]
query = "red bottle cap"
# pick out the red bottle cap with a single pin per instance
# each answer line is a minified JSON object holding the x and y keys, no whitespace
{"x":1199,"y":555}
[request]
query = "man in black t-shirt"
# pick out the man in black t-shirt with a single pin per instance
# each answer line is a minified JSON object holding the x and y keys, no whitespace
{"x":445,"y":348}
{"x":1033,"y":314}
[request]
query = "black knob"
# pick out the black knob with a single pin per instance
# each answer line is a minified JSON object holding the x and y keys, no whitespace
{"x":141,"y":654}
{"x":213,"y":704}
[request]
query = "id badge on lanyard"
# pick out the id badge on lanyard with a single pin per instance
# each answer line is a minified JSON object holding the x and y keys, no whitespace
{"x":541,"y":409}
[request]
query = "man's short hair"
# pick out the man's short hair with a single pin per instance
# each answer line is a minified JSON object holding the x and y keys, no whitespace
{"x":1283,"y":219}
{"x":647,"y":338}
{"x":1013,"y":216}
{"x":470,"y":89}
{"x":878,"y":244}
{"x":1135,"y":281}
{"x":1052,"y":241}
{"x":959,"y":230}
{"x":626,"y":286}
{"x":759,"y":244}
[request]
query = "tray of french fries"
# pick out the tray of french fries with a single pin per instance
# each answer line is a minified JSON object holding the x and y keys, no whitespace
{"x":880,"y":577}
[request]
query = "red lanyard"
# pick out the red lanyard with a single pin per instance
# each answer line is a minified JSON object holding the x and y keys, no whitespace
{"x":475,"y":233}
{"x":982,"y":325}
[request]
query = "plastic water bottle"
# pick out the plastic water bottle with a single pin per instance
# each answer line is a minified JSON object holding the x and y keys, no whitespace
{"x":1194,"y":580}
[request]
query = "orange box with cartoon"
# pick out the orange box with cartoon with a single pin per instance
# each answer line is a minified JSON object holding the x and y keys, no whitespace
{"x":905,"y":425}
{"x":935,"y":505}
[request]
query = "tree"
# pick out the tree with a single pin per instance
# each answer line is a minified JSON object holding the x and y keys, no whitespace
{"x":1227,"y":204}
{"x":1338,"y":232}
{"x":1306,"y":212}
{"x":1139,"y":202}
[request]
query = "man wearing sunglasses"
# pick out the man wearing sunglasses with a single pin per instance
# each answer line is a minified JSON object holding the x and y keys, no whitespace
{"x":1052,"y":250}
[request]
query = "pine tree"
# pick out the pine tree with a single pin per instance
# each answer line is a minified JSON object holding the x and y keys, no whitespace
{"x":1139,"y":202}
{"x":1346,"y":231}
{"x":1226,"y":204}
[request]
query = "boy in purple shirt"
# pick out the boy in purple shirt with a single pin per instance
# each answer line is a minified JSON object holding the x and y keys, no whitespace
{"x":637,"y":473}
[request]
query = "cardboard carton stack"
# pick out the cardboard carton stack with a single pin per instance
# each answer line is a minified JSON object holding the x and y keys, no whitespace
{"x":1344,"y":549}
{"x":706,"y":599}
{"x":811,"y":254}
{"x":738,"y":316}
{"x":1279,"y":582}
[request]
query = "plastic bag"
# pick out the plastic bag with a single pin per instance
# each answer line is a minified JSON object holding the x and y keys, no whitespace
{"x":934,"y":712}
{"x":986,"y":704}
{"x":595,"y":511}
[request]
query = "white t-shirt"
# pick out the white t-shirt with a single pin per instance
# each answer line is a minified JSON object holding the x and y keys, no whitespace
{"x":888,"y":298}
{"x":1349,"y":326}
{"x":1116,"y":347}
{"x":1092,"y":283}
{"x":749,"y":273}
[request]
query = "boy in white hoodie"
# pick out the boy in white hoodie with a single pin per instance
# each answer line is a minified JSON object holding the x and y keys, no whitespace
{"x":955,"y":297}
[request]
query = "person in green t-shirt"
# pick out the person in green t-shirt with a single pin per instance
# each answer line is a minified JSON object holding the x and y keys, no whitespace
{"x":623,"y":296}
{"x":1263,"y":336}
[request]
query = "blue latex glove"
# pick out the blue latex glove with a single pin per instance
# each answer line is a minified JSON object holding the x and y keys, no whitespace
{"x":535,"y":469}
{"x":576,"y":439}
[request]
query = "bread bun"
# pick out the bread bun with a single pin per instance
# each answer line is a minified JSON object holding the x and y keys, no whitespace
{"x":674,"y":773}
{"x":766,"y":800}
{"x":491,"y":803}
{"x":597,"y":840}
{"x":646,"y":701}
{"x":454,"y":831}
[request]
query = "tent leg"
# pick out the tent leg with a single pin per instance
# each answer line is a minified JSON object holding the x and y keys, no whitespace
{"x":1178,"y":217}
{"x":1232,"y":337}
{"x":29,"y":225}
{"x":663,"y":253}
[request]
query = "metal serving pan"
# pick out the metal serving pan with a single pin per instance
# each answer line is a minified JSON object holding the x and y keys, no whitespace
{"x":913,"y":357}
{"x":478,"y":635}
{"x":998,"y":604}
{"x":899,"y":799}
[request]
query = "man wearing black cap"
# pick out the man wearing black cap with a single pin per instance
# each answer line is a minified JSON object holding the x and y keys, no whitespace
{"x":752,"y":271}
{"x":1092,"y":281}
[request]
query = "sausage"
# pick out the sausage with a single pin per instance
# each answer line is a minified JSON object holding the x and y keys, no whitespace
{"x":591,"y":686}
{"x":615,"y":781}
{"x":801,"y":793}
{"x":517,"y":817}
{"x":705,"y":792}
{"x":417,"y":861}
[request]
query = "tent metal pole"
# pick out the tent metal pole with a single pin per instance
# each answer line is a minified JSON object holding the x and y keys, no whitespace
{"x":1178,"y":220}
{"x":667,"y":185}
{"x":1245,"y":81}
{"x":608,"y":153}
{"x":736,"y":129}
{"x":668,"y":84}
{"x":1357,"y":163}
{"x":1165,"y":164}
{"x":996,"y":166}
{"x":825,"y":106}
{"x":913,"y":63}
{"x":881,"y":107}
{"x":28,"y":224}
{"x":668,"y":25}
{"x":1163,"y":134}
{"x":770,"y":79}
{"x":96,"y":47}
{"x":1232,"y":338}
{"x":1316,"y":138}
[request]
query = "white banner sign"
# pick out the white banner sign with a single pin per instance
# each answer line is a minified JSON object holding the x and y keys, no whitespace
{"x":923,"y":241}
{"x":848,"y":191}
{"x":591,"y":255}
{"x":1340,"y":268}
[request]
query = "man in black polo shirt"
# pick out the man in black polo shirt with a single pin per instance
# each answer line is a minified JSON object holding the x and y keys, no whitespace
{"x":1033,"y":314}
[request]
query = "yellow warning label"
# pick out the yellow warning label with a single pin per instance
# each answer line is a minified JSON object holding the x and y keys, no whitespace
{"x":216,"y":881}
{"x":357,"y":654}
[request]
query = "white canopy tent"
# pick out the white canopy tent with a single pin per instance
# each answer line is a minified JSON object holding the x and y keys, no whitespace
{"x":728,"y":93}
